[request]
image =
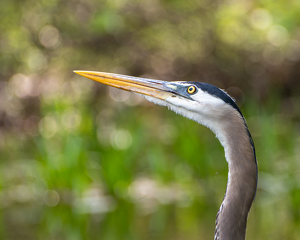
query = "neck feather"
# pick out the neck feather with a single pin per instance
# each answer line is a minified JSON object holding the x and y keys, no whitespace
{"x":242,"y":180}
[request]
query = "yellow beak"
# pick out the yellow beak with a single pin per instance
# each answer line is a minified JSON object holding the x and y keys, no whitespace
{"x":144,"y":86}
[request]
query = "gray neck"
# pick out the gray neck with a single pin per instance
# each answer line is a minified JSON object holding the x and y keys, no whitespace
{"x":242,"y":180}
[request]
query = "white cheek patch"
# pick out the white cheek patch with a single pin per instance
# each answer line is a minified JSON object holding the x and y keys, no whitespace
{"x":206,"y":98}
{"x":211,"y":106}
{"x":203,"y":109}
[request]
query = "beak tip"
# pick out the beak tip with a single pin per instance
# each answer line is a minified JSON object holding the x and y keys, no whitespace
{"x":79,"y":72}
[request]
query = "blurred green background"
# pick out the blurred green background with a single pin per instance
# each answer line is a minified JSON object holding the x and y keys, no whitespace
{"x":80,"y":160}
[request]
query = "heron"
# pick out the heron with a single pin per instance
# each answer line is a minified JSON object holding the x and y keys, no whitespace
{"x":212,"y":107}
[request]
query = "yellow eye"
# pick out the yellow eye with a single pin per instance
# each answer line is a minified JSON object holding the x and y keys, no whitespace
{"x":191,"y":89}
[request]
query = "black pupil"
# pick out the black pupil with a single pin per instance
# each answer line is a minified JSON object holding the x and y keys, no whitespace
{"x":191,"y":89}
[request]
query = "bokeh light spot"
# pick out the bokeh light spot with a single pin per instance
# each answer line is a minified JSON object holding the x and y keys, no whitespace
{"x":93,"y":201}
{"x":21,"y":85}
{"x":49,"y":36}
{"x":121,"y":139}
{"x":261,"y":18}
{"x":71,"y":118}
{"x":51,"y":198}
{"x":25,"y":86}
{"x":48,"y":126}
{"x":277,"y":35}
{"x":36,"y":60}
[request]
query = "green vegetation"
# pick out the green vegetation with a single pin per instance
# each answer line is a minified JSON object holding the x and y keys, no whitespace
{"x":83,"y":161}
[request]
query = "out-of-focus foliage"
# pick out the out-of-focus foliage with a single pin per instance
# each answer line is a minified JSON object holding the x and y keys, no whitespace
{"x":83,"y":161}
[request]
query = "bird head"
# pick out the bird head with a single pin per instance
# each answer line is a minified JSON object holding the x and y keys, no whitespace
{"x":201,"y":102}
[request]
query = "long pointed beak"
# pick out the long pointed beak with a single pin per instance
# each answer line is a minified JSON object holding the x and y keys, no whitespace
{"x":144,"y":86}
